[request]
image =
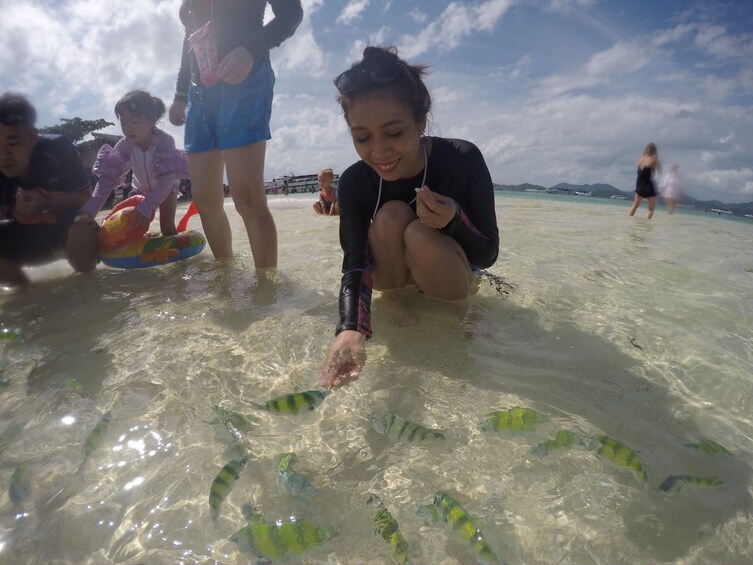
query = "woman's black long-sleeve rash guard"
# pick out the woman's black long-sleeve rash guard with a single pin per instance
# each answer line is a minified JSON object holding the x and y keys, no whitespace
{"x":456,"y":169}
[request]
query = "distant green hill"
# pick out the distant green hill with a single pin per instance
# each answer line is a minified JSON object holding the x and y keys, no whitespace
{"x":598,"y":190}
{"x":601,"y":190}
{"x":518,"y":187}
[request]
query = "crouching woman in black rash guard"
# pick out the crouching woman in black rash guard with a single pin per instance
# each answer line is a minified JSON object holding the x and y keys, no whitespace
{"x":415,"y":210}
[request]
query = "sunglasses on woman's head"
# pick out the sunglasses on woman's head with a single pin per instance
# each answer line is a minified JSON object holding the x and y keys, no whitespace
{"x":379,"y":73}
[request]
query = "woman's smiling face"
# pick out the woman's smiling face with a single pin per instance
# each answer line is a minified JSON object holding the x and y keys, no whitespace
{"x":386,"y":135}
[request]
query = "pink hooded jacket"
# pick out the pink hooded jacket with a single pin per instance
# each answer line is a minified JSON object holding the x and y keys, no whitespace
{"x":156,"y":172}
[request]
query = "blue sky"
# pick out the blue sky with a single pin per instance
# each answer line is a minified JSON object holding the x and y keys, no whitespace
{"x":550,"y":90}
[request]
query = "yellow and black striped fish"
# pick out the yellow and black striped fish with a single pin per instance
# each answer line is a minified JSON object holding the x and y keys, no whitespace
{"x":290,"y":481}
{"x":237,"y":424}
{"x":222,"y":484}
{"x":709,"y":448}
{"x":400,"y":429}
{"x":19,"y":487}
{"x":512,"y":420}
{"x":387,"y":527}
{"x":276,"y":540}
{"x":618,"y":453}
{"x":459,"y":520}
{"x":95,"y":438}
{"x":674,"y":483}
{"x":563,"y":440}
{"x":295,"y":402}
{"x":7,"y":334}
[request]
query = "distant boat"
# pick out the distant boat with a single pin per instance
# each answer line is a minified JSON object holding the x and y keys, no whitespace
{"x":292,"y":184}
{"x":749,"y":216}
{"x":721,"y":211}
{"x":579,"y":193}
{"x":618,"y":197}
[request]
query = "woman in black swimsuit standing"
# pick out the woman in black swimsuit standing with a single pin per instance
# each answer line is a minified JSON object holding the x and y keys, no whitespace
{"x":644,"y":184}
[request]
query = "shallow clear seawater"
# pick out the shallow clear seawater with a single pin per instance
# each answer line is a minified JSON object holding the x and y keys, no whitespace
{"x":639,"y":330}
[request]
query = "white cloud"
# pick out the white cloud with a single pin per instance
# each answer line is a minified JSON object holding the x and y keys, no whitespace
{"x":582,"y":138}
{"x":355,"y":53}
{"x":672,"y":35}
{"x":727,"y":138}
{"x":603,"y":68}
{"x":487,"y":14}
{"x":418,"y":16}
{"x":456,"y":22}
{"x":620,"y":58}
{"x":81,"y":58}
{"x":309,"y":136}
{"x":714,"y":40}
{"x":301,"y":53}
{"x":734,"y":181}
{"x":568,"y":5}
{"x":352,"y":11}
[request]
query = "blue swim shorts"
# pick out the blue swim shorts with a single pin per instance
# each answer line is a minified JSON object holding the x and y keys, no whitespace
{"x":224,"y":116}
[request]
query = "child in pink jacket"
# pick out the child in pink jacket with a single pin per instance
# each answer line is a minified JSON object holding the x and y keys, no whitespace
{"x":150,"y":152}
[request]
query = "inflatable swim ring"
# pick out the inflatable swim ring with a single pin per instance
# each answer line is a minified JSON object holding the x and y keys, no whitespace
{"x":124,"y":246}
{"x":152,"y":251}
{"x":118,"y":230}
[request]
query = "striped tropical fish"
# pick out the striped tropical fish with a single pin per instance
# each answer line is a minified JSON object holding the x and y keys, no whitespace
{"x":19,"y":487}
{"x":289,"y":481}
{"x":295,"y":402}
{"x":387,"y":527}
{"x":223,"y":483}
{"x":280,"y":539}
{"x":400,"y":429}
{"x":709,"y":448}
{"x":7,"y":334}
{"x":237,"y":424}
{"x":563,"y":440}
{"x":674,"y":483}
{"x":459,"y":520}
{"x":621,"y":455}
{"x":95,"y":438}
{"x":512,"y":420}
{"x":73,"y":385}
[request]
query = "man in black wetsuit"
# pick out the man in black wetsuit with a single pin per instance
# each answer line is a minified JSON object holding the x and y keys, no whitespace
{"x":42,"y":186}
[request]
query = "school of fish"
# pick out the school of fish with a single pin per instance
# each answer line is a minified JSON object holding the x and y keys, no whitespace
{"x":283,"y":539}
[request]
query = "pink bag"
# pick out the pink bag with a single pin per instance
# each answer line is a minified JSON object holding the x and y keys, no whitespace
{"x":204,"y":46}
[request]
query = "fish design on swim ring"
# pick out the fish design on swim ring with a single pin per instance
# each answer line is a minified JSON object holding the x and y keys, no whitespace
{"x":125,"y":246}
